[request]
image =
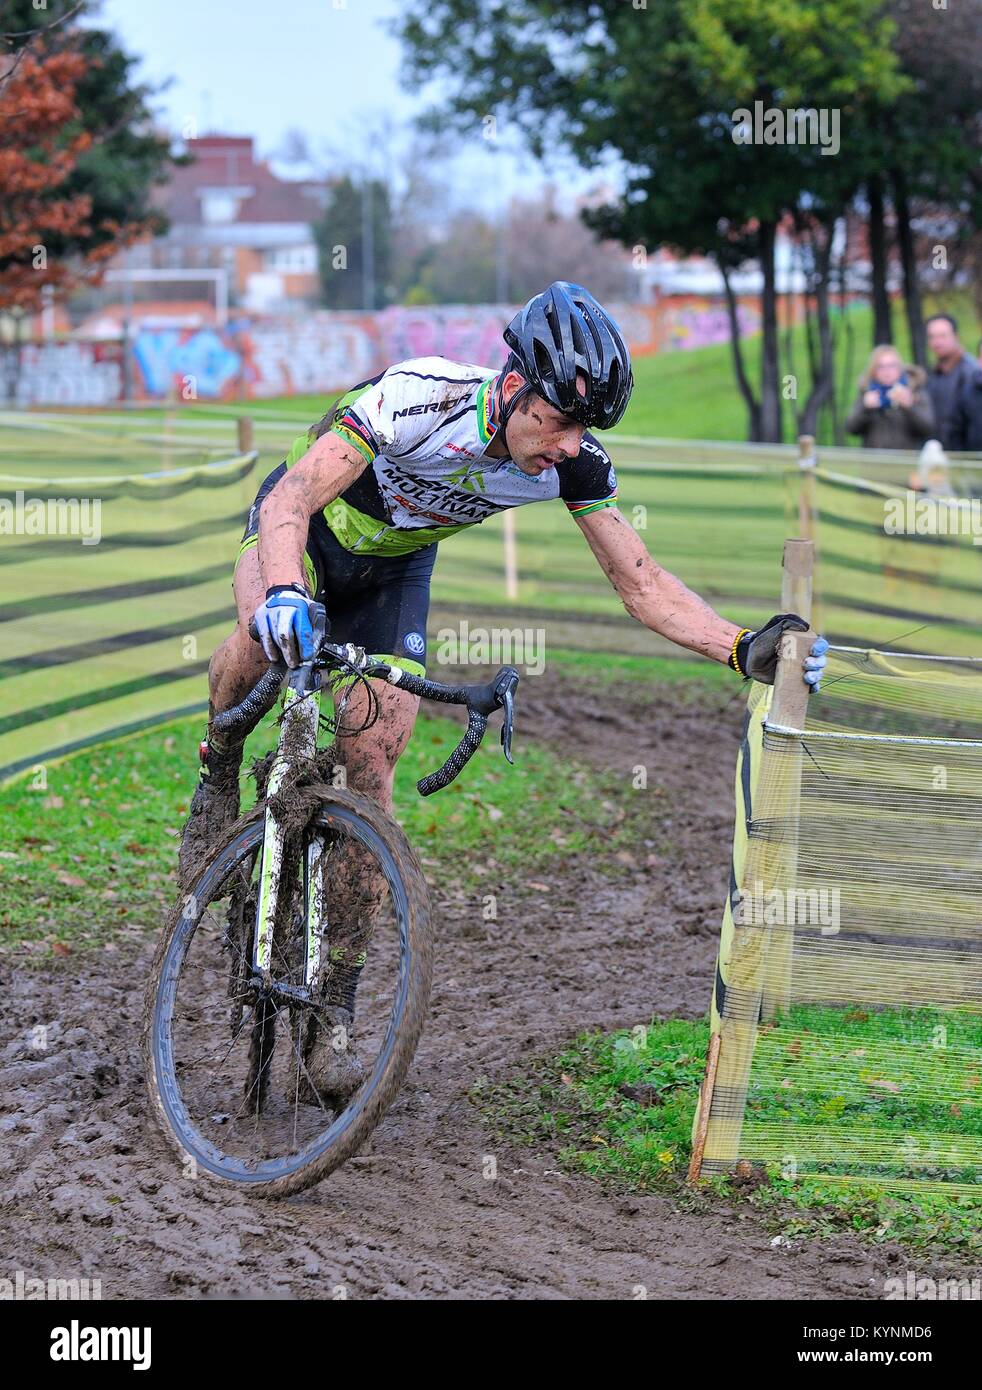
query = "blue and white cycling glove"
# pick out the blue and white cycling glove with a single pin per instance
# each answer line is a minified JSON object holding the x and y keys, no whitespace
{"x":754,"y":654}
{"x":284,"y":625}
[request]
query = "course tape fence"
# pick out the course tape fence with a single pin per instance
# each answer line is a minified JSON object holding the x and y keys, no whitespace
{"x":116,"y":590}
{"x":845,"y":1016}
{"x":897,"y":567}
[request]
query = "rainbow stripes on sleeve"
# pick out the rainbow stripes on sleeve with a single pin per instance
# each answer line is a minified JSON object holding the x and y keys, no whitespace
{"x":584,"y":508}
{"x":355,"y":432}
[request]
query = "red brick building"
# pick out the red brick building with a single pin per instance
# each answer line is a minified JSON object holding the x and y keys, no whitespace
{"x":230,"y":211}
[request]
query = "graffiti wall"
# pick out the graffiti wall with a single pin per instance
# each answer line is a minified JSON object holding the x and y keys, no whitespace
{"x":699,"y":322}
{"x":192,"y":364}
{"x":61,"y":374}
{"x":469,"y":334}
{"x":315,"y":353}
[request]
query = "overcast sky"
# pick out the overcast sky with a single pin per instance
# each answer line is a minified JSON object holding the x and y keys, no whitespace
{"x":260,"y":67}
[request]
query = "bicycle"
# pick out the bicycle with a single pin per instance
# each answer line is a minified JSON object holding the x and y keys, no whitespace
{"x":244,"y":964}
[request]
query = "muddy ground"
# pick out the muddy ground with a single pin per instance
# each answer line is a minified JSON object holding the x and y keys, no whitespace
{"x":90,"y":1189}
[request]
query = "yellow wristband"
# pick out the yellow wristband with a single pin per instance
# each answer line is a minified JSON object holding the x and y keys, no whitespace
{"x":733,"y":663}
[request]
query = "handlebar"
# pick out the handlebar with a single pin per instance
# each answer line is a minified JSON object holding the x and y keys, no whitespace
{"x":480,"y":700}
{"x":244,"y":717}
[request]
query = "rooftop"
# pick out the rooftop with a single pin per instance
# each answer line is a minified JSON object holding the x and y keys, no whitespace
{"x":226,"y":185}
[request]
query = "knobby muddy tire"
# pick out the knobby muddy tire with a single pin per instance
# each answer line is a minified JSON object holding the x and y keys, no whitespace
{"x":390,"y":1068}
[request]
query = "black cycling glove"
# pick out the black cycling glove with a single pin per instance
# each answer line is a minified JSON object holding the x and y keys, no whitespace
{"x":754,"y":654}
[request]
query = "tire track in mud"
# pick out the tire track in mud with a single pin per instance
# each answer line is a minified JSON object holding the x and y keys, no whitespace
{"x":92,"y":1190}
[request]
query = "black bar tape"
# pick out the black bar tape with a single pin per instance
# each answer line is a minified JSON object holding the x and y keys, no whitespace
{"x":244,"y":717}
{"x":427,"y":690}
{"x":477,"y":723}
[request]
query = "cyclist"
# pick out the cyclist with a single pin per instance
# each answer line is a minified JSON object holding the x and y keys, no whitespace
{"x":353,"y":517}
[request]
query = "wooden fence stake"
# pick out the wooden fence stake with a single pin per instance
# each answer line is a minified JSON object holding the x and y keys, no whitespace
{"x":788,"y":709}
{"x":245,"y":432}
{"x":807,"y":462}
{"x":763,"y":962}
{"x":705,"y":1105}
{"x":511,"y":556}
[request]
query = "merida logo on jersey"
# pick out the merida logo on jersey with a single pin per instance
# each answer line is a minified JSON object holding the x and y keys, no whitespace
{"x":435,"y":406}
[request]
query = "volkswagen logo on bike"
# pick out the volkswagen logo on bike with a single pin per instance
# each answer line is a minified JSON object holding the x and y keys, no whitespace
{"x":415,"y":643}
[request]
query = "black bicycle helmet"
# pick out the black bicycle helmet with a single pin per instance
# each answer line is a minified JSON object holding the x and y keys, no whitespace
{"x":559,"y":333}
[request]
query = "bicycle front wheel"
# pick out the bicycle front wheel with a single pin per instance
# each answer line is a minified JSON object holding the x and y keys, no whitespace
{"x":227,"y":1054}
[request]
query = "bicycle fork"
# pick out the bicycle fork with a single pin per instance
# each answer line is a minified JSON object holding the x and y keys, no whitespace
{"x":297,"y":742}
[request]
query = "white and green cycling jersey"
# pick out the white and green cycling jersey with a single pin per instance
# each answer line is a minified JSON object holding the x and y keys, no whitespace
{"x":424,"y":427}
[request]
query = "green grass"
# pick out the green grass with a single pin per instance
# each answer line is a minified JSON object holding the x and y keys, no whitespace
{"x":620,"y":1107}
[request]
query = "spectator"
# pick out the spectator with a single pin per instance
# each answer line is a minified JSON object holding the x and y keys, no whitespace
{"x":970,"y":412}
{"x":950,"y":383}
{"x":893,"y":409}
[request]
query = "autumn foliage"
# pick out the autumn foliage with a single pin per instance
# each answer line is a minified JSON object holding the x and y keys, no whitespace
{"x":40,"y":145}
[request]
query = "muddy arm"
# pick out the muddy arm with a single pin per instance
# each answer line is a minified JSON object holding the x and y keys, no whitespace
{"x":651,"y":594}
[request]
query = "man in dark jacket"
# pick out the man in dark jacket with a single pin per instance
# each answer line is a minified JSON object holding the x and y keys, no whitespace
{"x":969,"y":421}
{"x":951,"y":384}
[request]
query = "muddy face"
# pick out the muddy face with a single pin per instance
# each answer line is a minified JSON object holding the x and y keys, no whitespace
{"x":539,"y":436}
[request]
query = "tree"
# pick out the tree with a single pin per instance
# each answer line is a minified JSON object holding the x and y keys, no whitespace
{"x":936,"y":140}
{"x":419,"y":217}
{"x":544,"y":244}
{"x":458,"y":257}
{"x":659,"y":86}
{"x":36,"y":104}
{"x":460,"y":267}
{"x":79,"y":156}
{"x":340,"y":234}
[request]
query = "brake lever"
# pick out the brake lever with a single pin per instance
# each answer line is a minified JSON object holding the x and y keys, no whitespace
{"x":505,"y":687}
{"x":507,"y":723}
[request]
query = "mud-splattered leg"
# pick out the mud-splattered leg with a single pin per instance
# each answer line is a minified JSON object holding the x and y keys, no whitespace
{"x":238,"y":663}
{"x":234,"y":669}
{"x":370,"y":758}
{"x":357,"y":888}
